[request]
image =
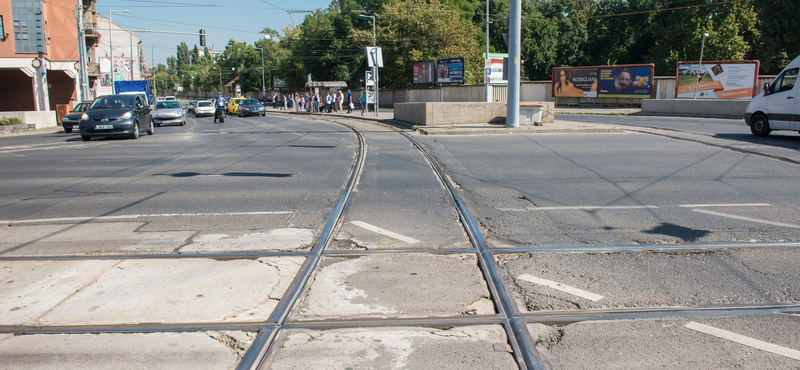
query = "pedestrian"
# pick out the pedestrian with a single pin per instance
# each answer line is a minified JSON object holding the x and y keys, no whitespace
{"x":339,"y":101}
{"x":363,"y":103}
{"x":275,"y":101}
{"x":329,"y":102}
{"x":315,"y":100}
{"x":349,"y":102}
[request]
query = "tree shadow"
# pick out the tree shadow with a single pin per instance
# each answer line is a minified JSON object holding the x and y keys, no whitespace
{"x":678,"y":231}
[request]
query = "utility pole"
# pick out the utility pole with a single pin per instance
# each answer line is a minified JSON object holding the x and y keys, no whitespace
{"x":514,"y":46}
{"x":153,"y":70}
{"x":487,"y":65}
{"x":83,"y":72}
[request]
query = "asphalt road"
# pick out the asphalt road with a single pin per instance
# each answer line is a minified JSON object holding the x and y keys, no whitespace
{"x":673,"y":245}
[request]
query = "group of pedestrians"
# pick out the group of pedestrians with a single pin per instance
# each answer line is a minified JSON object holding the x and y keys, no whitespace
{"x":333,"y":102}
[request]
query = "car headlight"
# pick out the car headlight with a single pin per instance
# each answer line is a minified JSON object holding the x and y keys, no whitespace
{"x":64,"y":119}
{"x":126,"y":115}
{"x":84,"y":117}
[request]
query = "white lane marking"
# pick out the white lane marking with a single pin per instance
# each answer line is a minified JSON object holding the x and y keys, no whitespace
{"x":747,"y":341}
{"x":726,"y":205}
{"x":558,"y":286}
{"x":44,"y":148}
{"x":572,"y":208}
{"x":126,"y":217}
{"x":745,"y":218}
{"x":388,"y":233}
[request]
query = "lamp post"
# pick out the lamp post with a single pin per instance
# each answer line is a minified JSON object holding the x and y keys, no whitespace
{"x":700,"y":65}
{"x":374,"y":66}
{"x":111,"y":46}
{"x":153,"y":69}
{"x":263,"y":85}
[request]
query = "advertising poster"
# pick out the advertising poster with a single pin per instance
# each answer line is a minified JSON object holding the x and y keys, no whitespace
{"x":278,"y":82}
{"x":122,"y":71}
{"x":422,"y":72}
{"x":494,"y":63}
{"x":635,"y":81}
{"x":450,"y":71}
{"x":105,"y":72}
{"x":575,"y":82}
{"x":718,"y":80}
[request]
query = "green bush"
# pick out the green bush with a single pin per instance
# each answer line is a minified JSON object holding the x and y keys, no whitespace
{"x":8,"y":121}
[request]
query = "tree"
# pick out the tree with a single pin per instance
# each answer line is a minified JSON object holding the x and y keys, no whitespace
{"x":779,"y":40}
{"x":414,"y":30}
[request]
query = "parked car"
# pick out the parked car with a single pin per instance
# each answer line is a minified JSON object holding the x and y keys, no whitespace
{"x":251,"y":107}
{"x":73,"y":119}
{"x":169,"y":112}
{"x":777,"y":106}
{"x":233,"y":105}
{"x":116,"y":115}
{"x":191,"y":105}
{"x":204,"y":108}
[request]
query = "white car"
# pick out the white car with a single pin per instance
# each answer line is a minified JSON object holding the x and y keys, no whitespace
{"x":169,"y":112}
{"x":204,"y":108}
{"x":777,"y":107}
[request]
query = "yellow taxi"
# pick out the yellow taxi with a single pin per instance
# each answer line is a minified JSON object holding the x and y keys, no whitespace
{"x":233,"y":105}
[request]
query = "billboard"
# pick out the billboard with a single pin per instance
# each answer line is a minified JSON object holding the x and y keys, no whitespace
{"x":450,"y":70}
{"x":122,"y":70}
{"x":718,"y":80}
{"x":625,"y":81}
{"x":575,"y":82}
{"x":278,"y":82}
{"x":422,"y":72}
{"x":494,"y":68}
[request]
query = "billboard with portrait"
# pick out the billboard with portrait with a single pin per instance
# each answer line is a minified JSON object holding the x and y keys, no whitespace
{"x":575,"y":82}
{"x":450,"y":70}
{"x":625,"y":81}
{"x":422,"y":72}
{"x":718,"y":80}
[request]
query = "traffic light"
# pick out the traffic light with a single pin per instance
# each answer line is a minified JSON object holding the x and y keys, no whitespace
{"x":202,"y":37}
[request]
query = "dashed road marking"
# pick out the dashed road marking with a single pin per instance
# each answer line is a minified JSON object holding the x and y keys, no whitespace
{"x":388,"y":233}
{"x":747,"y":341}
{"x":127,"y":217}
{"x":745,"y":218}
{"x":574,"y":208}
{"x":558,"y":286}
{"x":726,"y":205}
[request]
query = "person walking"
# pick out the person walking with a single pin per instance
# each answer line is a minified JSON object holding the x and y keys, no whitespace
{"x":329,"y":102}
{"x":349,"y":102}
{"x":363,"y":103}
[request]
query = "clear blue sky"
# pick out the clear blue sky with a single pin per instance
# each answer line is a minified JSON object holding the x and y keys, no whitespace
{"x":223,"y":20}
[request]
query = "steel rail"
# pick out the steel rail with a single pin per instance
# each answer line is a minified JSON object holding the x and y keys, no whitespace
{"x":300,"y":282}
{"x":525,"y":354}
{"x":647,"y":248}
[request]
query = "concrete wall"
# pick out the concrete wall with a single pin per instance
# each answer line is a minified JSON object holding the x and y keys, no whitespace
{"x":460,"y":113}
{"x":695,"y":107}
{"x":42,"y":119}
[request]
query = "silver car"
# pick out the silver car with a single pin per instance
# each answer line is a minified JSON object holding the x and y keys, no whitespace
{"x":169,"y":112}
{"x":204,"y":108}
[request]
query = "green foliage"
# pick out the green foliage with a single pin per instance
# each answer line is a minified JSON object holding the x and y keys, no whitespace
{"x":8,"y":121}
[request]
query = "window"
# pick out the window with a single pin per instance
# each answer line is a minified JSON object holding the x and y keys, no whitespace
{"x":27,"y":26}
{"x":786,"y":81}
{"x":2,"y":29}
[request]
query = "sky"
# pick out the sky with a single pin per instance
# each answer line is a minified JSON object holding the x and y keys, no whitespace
{"x":223,"y":20}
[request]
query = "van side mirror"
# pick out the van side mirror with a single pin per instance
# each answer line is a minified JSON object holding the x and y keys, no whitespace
{"x":766,"y":88}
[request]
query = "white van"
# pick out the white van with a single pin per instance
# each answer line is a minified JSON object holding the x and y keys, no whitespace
{"x":778,"y":107}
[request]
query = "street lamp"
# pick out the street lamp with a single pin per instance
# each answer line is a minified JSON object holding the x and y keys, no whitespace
{"x":263,"y":85}
{"x":700,"y":65}
{"x":374,"y":66}
{"x":111,"y":46}
{"x":153,"y":69}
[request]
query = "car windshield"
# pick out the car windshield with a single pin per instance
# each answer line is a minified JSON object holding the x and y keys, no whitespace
{"x":167,"y":105}
{"x":204,"y":104}
{"x":81,"y":107}
{"x":249,"y":102}
{"x":112,"y":102}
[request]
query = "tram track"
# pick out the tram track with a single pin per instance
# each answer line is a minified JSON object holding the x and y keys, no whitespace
{"x":509,"y":316}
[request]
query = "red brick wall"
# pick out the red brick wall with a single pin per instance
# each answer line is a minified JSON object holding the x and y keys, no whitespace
{"x":17,"y":91}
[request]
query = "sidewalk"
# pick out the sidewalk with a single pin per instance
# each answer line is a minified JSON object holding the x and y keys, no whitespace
{"x":386,"y":116}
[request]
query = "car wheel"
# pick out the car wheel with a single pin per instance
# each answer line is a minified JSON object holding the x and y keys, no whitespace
{"x":86,"y":137}
{"x":158,"y":125}
{"x":67,"y":130}
{"x":196,"y":116}
{"x":135,"y":133}
{"x":150,"y":131}
{"x":759,"y":126}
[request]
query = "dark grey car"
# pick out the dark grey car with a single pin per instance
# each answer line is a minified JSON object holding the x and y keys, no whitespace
{"x":116,"y":115}
{"x":251,"y":107}
{"x":72,"y":119}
